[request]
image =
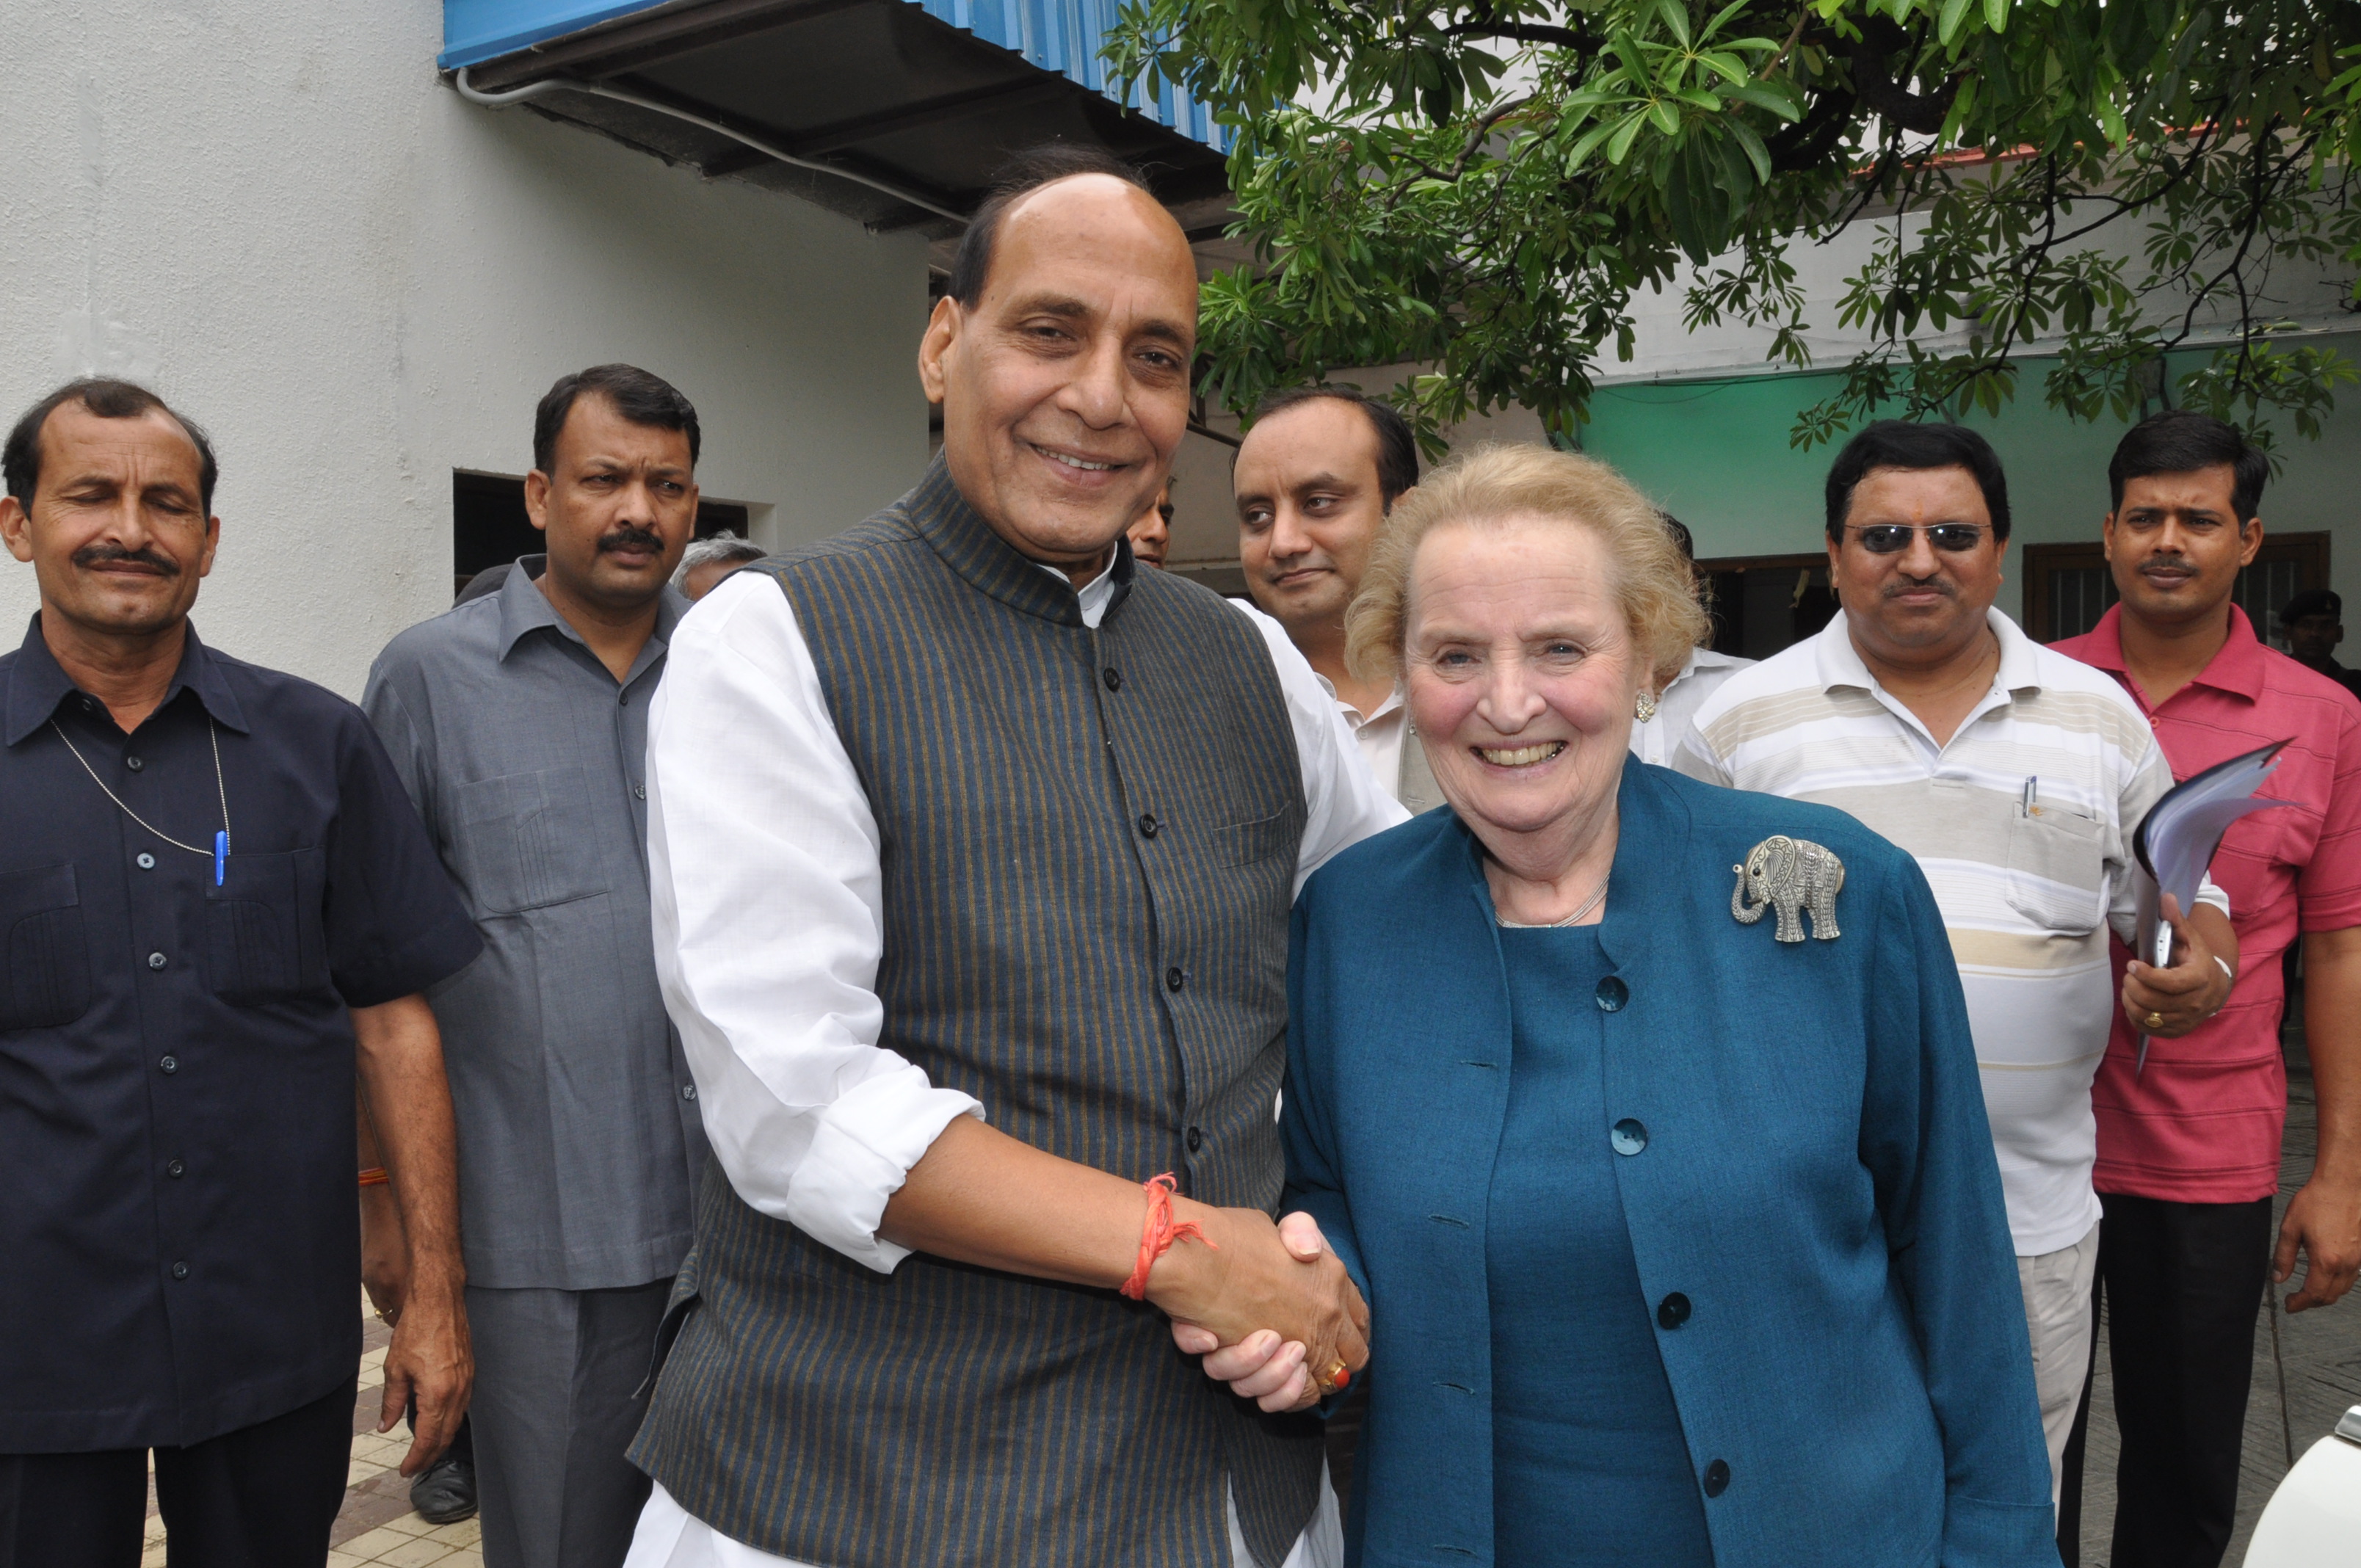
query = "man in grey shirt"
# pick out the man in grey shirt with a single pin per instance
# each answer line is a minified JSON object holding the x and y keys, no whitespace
{"x":518,"y":722}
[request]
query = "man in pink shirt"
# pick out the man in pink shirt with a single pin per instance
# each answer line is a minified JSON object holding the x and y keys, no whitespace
{"x":2188,"y":1150}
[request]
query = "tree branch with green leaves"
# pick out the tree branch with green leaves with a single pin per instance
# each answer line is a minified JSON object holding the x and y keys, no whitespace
{"x":1483,"y":188}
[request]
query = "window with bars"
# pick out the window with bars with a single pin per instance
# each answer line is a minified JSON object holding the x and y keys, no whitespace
{"x":2069,"y":587}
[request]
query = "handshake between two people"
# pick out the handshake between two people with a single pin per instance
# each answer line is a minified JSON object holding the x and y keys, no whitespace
{"x":1268,"y":1305}
{"x":1265,"y":1303}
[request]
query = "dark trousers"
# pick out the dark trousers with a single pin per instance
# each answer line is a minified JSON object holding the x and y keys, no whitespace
{"x":262,"y":1497}
{"x":2182,"y":1283}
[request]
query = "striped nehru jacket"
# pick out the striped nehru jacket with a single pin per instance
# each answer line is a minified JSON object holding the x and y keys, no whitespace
{"x":1110,"y":985}
{"x":2028,"y":895}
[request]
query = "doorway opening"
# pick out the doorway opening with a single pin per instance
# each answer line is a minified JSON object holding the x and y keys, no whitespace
{"x":1762,"y":605}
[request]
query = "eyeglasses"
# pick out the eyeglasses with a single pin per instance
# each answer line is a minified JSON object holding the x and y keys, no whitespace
{"x":1894,"y":538}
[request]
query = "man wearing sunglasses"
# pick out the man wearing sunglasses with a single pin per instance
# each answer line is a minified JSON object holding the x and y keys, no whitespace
{"x":2016,"y":777}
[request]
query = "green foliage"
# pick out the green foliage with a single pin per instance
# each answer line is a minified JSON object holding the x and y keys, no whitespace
{"x":1483,"y":186}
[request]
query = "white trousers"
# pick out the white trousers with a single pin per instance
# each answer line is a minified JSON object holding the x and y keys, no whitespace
{"x":2057,"y":1289}
{"x":671,"y":1537}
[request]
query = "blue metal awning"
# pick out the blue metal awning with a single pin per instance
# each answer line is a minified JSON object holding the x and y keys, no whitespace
{"x":477,"y":31}
{"x":1062,"y":37}
{"x":1065,"y":35}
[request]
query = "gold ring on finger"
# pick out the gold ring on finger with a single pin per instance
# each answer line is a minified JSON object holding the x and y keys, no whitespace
{"x":2154,"y":1022}
{"x":1338,"y":1376}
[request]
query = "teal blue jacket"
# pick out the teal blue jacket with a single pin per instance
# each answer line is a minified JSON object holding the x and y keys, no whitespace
{"x":1815,"y":1176}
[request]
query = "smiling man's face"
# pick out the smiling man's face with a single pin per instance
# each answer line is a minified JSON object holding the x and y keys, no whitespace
{"x":118,"y":531}
{"x":2175,"y":546}
{"x":1310,"y":505}
{"x":1065,"y":390}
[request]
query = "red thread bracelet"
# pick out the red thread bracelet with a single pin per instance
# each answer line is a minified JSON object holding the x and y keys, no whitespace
{"x":375,"y":1175}
{"x":1158,"y":1232}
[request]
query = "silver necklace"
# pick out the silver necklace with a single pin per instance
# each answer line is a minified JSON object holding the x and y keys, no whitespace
{"x":218,"y":850}
{"x":1575,"y":919}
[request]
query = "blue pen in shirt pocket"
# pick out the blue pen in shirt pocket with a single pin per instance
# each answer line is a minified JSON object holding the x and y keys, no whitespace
{"x":221,"y":856}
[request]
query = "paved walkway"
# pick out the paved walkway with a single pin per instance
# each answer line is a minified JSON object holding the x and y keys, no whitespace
{"x":2318,"y":1354}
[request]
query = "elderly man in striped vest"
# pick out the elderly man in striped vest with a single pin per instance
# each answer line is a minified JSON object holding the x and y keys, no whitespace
{"x":973,"y":849}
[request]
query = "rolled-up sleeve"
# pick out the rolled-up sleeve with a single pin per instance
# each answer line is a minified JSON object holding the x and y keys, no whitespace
{"x":1928,"y":1147}
{"x":768,"y":920}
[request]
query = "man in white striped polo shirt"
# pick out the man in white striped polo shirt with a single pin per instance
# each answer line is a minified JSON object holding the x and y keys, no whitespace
{"x":2016,"y":777}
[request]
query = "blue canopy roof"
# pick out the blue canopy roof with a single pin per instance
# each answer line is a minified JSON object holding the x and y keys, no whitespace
{"x":1059,"y":35}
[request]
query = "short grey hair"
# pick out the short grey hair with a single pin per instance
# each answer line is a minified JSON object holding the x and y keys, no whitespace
{"x":724,"y":546}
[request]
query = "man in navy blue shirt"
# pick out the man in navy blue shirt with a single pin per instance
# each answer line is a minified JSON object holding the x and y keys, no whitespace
{"x":216,"y":903}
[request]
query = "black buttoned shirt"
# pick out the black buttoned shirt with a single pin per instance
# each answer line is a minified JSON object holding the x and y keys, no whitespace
{"x":179,"y":1249}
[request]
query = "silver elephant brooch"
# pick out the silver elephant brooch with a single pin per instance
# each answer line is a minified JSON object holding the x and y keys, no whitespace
{"x":1790,"y":875}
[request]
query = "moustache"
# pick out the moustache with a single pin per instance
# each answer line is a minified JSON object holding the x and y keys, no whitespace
{"x":631,"y":537}
{"x":91,"y":555}
{"x":2168,"y":564}
{"x":1900,"y":585}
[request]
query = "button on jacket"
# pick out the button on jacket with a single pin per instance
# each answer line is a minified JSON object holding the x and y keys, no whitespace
{"x":579,"y":1139}
{"x":178,"y":1243}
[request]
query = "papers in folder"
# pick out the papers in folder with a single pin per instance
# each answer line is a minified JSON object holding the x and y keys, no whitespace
{"x":2177,"y":840}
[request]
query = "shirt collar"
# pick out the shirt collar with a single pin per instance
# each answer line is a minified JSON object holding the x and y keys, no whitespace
{"x":1840,"y":663}
{"x":2102,"y":647}
{"x":524,"y":608}
{"x":1703,"y":659}
{"x":2238,"y":668}
{"x":1353,"y":717}
{"x":1094,"y":598}
{"x":37,"y":684}
{"x":2241,"y":664}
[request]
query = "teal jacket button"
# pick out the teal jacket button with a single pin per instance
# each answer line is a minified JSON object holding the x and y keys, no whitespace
{"x":1612,"y":995}
{"x":1628,"y":1136}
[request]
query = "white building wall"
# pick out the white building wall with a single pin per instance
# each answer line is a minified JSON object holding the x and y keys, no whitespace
{"x":278,"y":217}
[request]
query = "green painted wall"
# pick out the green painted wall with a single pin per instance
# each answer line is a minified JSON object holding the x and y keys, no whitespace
{"x":1715,"y":455}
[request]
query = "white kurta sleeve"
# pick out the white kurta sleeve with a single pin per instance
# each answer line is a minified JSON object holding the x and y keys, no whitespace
{"x":1343,"y":800}
{"x":768,"y":913}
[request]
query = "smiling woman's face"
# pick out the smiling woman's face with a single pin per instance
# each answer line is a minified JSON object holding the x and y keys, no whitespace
{"x":1520,"y":673}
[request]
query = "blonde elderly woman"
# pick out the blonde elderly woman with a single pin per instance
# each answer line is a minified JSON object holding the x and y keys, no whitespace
{"x":1644,"y":1113}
